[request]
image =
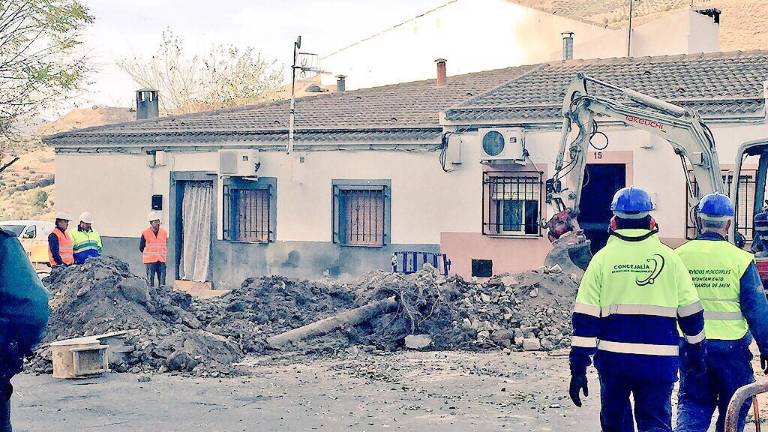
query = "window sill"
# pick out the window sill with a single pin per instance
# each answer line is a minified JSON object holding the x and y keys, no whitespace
{"x":361,"y":246}
{"x":248,"y":242}
{"x":514,"y":236}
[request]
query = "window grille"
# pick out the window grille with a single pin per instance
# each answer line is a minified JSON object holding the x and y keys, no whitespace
{"x":360,"y":215}
{"x":247,"y":214}
{"x":512,"y":203}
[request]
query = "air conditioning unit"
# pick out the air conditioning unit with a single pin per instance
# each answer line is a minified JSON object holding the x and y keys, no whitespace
{"x":506,"y":144}
{"x":239,"y":163}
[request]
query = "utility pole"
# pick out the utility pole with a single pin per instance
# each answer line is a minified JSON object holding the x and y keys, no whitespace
{"x":302,"y":68}
{"x":629,"y":31}
{"x":292,"y":117}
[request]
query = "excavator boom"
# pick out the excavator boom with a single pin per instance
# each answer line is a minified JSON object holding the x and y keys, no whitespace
{"x":682,"y":128}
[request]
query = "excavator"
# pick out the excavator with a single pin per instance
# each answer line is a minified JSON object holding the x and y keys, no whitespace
{"x":691,"y":140}
{"x":681,"y":127}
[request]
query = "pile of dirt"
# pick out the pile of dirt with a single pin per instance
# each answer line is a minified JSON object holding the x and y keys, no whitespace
{"x":103,"y":296}
{"x":266,"y":306}
{"x":172,"y":332}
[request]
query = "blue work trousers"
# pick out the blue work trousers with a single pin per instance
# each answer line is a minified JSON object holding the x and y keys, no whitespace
{"x":700,"y":394}
{"x":652,"y":403}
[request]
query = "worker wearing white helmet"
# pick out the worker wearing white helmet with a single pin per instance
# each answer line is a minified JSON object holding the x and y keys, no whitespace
{"x":60,"y":251}
{"x":154,"y":249}
{"x":86,"y":242}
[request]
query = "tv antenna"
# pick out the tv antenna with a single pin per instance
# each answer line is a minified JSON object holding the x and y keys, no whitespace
{"x":304,"y":63}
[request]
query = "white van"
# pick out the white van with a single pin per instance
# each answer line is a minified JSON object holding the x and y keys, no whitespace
{"x":33,"y":235}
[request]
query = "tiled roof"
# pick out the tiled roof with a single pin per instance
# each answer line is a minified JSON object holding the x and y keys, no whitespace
{"x":722,"y":85}
{"x":399,"y":112}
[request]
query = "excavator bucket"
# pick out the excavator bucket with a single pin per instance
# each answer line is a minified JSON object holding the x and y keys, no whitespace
{"x":570,"y":248}
{"x":571,"y":252}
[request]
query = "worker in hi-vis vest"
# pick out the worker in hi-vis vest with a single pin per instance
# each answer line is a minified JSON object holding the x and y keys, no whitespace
{"x":154,"y":249}
{"x":735,"y":310}
{"x":60,"y":250}
{"x":634,"y":294}
{"x":86,"y":243}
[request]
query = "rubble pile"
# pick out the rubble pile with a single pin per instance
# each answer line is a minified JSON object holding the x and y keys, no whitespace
{"x":427,"y":305}
{"x":529,"y":311}
{"x":103,"y":296}
{"x":172,"y":332}
{"x":266,"y":306}
{"x":525,"y":311}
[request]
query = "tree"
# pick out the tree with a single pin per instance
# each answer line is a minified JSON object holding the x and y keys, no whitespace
{"x":40,"y":63}
{"x":226,"y":76}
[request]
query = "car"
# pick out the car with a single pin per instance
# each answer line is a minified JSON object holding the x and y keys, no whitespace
{"x":33,"y":236}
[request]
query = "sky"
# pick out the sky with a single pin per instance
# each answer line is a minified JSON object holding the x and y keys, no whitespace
{"x":125,"y":29}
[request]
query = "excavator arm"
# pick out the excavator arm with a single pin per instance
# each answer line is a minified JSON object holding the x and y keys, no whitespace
{"x":682,"y":128}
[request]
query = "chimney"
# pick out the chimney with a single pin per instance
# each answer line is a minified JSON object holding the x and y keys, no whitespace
{"x":147,"y":104}
{"x":441,"y":78}
{"x":341,"y":83}
{"x":567,"y":45}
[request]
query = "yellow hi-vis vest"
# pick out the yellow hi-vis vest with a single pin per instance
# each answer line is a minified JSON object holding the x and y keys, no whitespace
{"x":642,"y":281}
{"x":716,"y":268}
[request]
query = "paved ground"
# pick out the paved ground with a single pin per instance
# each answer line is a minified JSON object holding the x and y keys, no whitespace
{"x":360,"y":392}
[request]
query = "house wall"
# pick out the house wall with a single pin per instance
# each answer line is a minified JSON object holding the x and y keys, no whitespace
{"x":431,"y":210}
{"x":656,"y":168}
{"x":476,"y":35}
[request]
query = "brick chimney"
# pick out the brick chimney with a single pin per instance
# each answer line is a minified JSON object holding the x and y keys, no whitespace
{"x":441,"y":78}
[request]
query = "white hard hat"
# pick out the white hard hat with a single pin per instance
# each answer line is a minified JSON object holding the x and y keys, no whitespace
{"x":86,"y":217}
{"x":153,"y":216}
{"x":63,"y":216}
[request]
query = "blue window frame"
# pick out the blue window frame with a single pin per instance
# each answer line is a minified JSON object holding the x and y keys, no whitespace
{"x":250,"y":209}
{"x":362,"y":212}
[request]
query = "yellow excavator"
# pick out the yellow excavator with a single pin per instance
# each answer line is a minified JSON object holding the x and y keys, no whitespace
{"x":681,"y":127}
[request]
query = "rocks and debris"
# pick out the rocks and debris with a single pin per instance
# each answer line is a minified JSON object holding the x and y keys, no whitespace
{"x":417,"y":342}
{"x":102,"y":296}
{"x":174,"y":333}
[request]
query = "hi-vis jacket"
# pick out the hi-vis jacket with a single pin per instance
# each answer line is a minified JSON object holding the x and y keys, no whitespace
{"x":85,"y":244}
{"x":726,"y":278}
{"x":634,"y":294}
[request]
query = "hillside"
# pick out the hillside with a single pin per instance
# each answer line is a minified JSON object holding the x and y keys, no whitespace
{"x":743,"y":25}
{"x":26,"y":187}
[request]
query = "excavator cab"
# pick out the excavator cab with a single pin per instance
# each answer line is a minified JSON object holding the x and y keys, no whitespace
{"x":749,"y":153}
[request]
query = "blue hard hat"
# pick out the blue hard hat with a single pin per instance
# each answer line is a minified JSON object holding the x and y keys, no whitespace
{"x":715,"y":206}
{"x":631,"y":201}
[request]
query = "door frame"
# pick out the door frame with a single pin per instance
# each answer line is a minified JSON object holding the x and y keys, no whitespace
{"x":177,"y":180}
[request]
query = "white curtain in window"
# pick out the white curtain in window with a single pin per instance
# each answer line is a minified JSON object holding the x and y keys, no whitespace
{"x":196,"y":223}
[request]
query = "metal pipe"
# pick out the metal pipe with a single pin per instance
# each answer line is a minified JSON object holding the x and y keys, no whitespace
{"x":737,"y":401}
{"x":629,"y":30}
{"x":292,"y":115}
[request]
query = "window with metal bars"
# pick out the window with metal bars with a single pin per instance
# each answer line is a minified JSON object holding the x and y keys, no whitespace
{"x":361,"y":212}
{"x":744,"y":214}
{"x":512,"y":203}
{"x":249,"y":210}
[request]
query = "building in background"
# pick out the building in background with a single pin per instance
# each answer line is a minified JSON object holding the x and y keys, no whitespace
{"x":387,"y":169}
{"x":478,"y":35}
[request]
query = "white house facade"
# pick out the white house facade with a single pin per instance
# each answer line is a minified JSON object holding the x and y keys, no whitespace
{"x":392,"y":169}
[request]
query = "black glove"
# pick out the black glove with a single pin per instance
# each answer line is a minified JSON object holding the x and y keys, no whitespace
{"x":693,"y":358}
{"x":764,"y":363}
{"x":578,"y":383}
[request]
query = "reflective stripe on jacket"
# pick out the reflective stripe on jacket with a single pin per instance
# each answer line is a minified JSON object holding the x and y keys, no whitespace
{"x":65,"y":249}
{"x":155,"y":248}
{"x":630,"y":301}
{"x":86,"y":244}
{"x":716,"y":268}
